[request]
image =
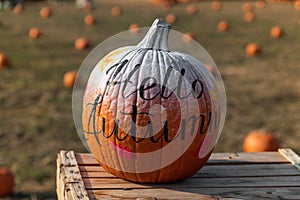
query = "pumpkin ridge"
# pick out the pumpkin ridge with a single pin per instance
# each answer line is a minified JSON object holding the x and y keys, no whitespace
{"x":180,"y":165}
{"x":163,"y":61}
{"x":146,"y":51}
{"x":205,"y":95}
{"x":141,"y":53}
{"x":135,"y":52}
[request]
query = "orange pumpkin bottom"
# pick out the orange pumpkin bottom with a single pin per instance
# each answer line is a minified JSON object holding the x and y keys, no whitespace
{"x":180,"y":169}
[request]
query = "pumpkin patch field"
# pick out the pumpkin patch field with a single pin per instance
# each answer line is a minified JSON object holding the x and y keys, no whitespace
{"x":40,"y":54}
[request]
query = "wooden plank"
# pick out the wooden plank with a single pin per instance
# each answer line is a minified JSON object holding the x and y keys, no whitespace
{"x":280,"y":181}
{"x":215,"y":171}
{"x":203,"y":193}
{"x":291,"y":156}
{"x":59,"y":181}
{"x":90,"y":168}
{"x":69,"y":178}
{"x":246,"y":158}
{"x":153,"y":194}
{"x":86,"y":159}
{"x":68,"y":158}
{"x":240,"y":193}
{"x":216,"y":158}
{"x":218,"y":173}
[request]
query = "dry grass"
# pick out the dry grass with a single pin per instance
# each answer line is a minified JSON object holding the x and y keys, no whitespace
{"x":35,"y":110}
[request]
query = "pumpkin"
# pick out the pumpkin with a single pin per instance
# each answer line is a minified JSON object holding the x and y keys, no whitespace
{"x":223,"y":26}
{"x":135,"y":124}
{"x":81,"y":43}
{"x":133,"y":29}
{"x":116,"y":11}
{"x":45,"y":12}
{"x":7,"y":182}
{"x":69,"y":78}
{"x":252,"y":49}
{"x":34,"y":33}
{"x":163,"y":3}
{"x":276,"y":32}
{"x":249,"y":16}
{"x":297,"y":5}
{"x":191,"y":9}
{"x":216,"y":5}
{"x":4,"y":61}
{"x":188,"y":37}
{"x":260,"y":4}
{"x":258,"y":140}
{"x":247,"y":7}
{"x":89,"y":20}
{"x":18,"y":9}
{"x":170,"y":18}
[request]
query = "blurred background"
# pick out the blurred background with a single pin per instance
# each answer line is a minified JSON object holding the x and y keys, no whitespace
{"x":38,"y":48}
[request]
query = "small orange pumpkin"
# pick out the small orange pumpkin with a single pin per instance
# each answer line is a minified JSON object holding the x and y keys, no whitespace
{"x":188,"y":37}
{"x":258,"y":141}
{"x":223,"y":26}
{"x":276,"y":32}
{"x":116,"y":11}
{"x":7,"y":182}
{"x":249,"y":16}
{"x":297,"y":5}
{"x":247,"y":7}
{"x":4,"y":61}
{"x":133,"y":29}
{"x":34,"y":33}
{"x":69,"y":78}
{"x":45,"y":12}
{"x":81,"y":43}
{"x":170,"y":18}
{"x":216,"y":5}
{"x":163,"y":3}
{"x":89,"y":20}
{"x":191,"y":9}
{"x":260,"y":4}
{"x":252,"y":49}
{"x":18,"y":9}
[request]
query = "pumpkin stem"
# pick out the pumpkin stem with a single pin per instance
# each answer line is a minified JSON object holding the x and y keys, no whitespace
{"x":157,"y":36}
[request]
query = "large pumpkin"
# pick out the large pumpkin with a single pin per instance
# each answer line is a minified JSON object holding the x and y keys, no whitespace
{"x":147,"y":110}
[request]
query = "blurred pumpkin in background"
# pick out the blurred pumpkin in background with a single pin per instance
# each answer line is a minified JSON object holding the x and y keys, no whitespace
{"x":4,"y":60}
{"x":81,"y":43}
{"x":258,"y":141}
{"x":7,"y":182}
{"x":69,"y":78}
{"x":45,"y":12}
{"x":34,"y":33}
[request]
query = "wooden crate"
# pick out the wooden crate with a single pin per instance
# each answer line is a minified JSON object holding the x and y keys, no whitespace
{"x":271,"y":175}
